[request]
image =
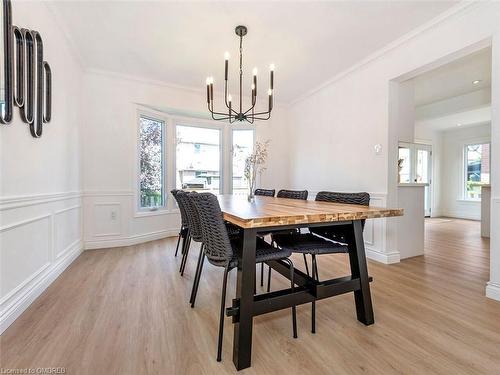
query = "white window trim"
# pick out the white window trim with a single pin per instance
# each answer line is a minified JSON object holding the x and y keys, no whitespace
{"x":463,"y":197}
{"x":153,"y":211}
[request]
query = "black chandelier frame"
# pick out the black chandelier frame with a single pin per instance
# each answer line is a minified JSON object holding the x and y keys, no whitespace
{"x":232,"y":115}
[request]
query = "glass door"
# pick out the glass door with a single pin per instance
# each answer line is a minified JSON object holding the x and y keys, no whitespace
{"x":415,"y":167}
{"x":423,"y":172}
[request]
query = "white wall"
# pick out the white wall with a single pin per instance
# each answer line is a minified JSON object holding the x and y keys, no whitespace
{"x":447,"y":156}
{"x":40,"y":184}
{"x":336,"y":126}
{"x":449,"y":160}
{"x":110,"y":159}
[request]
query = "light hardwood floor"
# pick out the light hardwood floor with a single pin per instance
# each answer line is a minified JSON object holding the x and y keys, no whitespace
{"x":126,"y":311}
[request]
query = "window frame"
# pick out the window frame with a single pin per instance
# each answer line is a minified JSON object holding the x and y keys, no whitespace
{"x":151,"y":211}
{"x":465,"y":146}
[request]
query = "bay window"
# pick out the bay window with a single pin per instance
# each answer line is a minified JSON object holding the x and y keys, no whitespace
{"x":190,"y":154}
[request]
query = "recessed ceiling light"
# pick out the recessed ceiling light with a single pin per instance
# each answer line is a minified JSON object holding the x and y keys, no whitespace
{"x":476,"y":81}
{"x":459,"y":124}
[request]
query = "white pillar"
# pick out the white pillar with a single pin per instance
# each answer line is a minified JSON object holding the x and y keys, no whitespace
{"x":493,"y":286}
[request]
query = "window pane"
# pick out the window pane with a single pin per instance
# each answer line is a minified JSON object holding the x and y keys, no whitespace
{"x":477,"y":159}
{"x":422,"y":166}
{"x":198,"y":159}
{"x":242,"y":148}
{"x":151,"y":154}
{"x":404,"y":165}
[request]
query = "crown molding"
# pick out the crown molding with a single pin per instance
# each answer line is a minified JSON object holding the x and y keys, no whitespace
{"x":159,"y":83}
{"x":459,"y":8}
{"x":144,"y":80}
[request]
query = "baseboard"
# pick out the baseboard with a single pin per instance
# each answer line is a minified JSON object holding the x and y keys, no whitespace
{"x":493,"y":290}
{"x":130,"y":240}
{"x":460,"y":215}
{"x":386,"y":258}
{"x":26,"y":297}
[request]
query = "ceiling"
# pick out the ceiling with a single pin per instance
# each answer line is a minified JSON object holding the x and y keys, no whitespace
{"x":472,"y":117}
{"x":183,"y":42}
{"x":447,"y":98}
{"x":454,"y":79}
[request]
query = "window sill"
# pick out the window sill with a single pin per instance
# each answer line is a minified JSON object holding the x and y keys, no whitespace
{"x":147,"y":213}
{"x":469,"y":200}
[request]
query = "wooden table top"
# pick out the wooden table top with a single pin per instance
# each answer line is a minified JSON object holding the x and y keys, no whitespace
{"x":269,"y":211}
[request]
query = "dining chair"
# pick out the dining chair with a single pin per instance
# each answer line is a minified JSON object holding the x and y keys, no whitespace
{"x":221,"y":251}
{"x":321,"y":240}
{"x":337,"y":232}
{"x":194,"y":231}
{"x":283,"y":193}
{"x":293,"y":194}
{"x":184,"y":224}
{"x":265,"y":192}
{"x":233,"y":232}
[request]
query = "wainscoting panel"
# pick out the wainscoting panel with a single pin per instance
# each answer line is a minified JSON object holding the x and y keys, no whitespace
{"x":67,"y":229}
{"x":111,"y":220}
{"x":39,"y":237}
{"x":26,"y":251}
{"x":107,"y":219}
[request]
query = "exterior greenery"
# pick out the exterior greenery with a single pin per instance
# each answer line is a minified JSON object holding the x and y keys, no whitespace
{"x":151,"y":162}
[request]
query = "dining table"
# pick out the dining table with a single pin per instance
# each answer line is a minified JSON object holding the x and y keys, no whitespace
{"x":266,"y":214}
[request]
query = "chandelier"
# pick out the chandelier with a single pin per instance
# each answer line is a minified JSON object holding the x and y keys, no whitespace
{"x":249,"y":115}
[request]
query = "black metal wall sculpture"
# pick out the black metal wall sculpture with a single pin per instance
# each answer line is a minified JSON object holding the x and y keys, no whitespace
{"x":29,"y":85}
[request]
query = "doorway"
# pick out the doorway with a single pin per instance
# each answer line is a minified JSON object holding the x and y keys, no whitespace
{"x":441,"y":126}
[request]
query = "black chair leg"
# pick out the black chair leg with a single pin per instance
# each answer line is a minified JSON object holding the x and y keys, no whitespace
{"x":269,"y":280}
{"x":255,"y":283}
{"x":305,"y":262}
{"x":178,"y":242}
{"x":314,"y":270}
{"x":262,"y":274}
{"x":183,"y":251}
{"x":197,"y":276}
{"x":294,"y":308}
{"x":221,"y":319}
{"x":184,"y":239}
{"x":185,"y":256}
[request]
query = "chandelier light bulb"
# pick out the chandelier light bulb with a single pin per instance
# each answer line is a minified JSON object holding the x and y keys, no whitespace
{"x":254,"y":71}
{"x":208,"y":81}
{"x":229,"y":98}
{"x":226,"y":55}
{"x":271,"y":67}
{"x":269,"y":92}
